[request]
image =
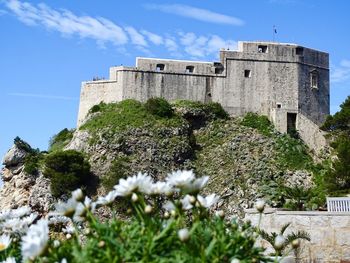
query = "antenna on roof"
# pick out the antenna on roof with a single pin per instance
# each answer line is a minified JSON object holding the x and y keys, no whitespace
{"x":274,"y":32}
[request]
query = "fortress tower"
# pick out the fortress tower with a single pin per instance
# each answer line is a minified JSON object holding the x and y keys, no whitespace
{"x":286,"y":82}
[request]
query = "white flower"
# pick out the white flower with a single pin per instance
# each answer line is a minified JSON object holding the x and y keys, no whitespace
{"x":260,"y":205}
{"x":108,"y":199}
{"x":140,"y":182}
{"x":34,"y":243}
{"x":169,"y":206}
{"x":56,"y":243}
{"x":134,"y":197}
{"x":186,"y":202}
{"x":78,"y":195}
{"x":64,"y":260}
{"x":66,"y":209}
{"x":235,"y":260}
{"x":69,"y":229}
{"x":180,"y":178}
{"x":5,"y":241}
{"x":279,"y":242}
{"x":82,"y":209}
{"x":9,"y":260}
{"x":15,"y":213}
{"x":208,"y":201}
{"x":183,"y":234}
{"x":162,"y":188}
{"x":59,"y":220}
{"x":196,"y":185}
{"x":18,"y":225}
{"x":148,"y":209}
{"x":295,"y":243}
{"x":220,"y":213}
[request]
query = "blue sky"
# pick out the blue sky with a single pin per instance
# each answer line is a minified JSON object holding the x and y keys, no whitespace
{"x":48,"y":48}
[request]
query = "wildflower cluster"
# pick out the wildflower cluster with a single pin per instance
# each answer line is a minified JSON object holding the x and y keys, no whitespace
{"x":169,"y":221}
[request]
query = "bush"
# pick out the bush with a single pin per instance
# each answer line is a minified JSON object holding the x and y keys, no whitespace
{"x":32,"y":163}
{"x":60,"y":140}
{"x":217,"y":110}
{"x":118,"y":170}
{"x":22,"y":145}
{"x":159,"y":107}
{"x":67,"y":170}
{"x":261,"y":123}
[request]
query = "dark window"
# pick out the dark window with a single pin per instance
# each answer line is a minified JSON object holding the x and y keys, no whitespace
{"x":247,"y":73}
{"x":291,"y":123}
{"x":160,"y":67}
{"x":299,"y":51}
{"x":219,"y":68}
{"x":209,"y":94}
{"x":189,"y":69}
{"x":314,"y":80}
{"x":262,"y":49}
{"x":279,"y":105}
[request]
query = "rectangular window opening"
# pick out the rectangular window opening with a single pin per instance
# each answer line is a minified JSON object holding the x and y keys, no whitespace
{"x":247,"y":73}
{"x":291,"y":123}
{"x":160,"y":67}
{"x":299,"y":51}
{"x":189,"y":69}
{"x":279,"y":105}
{"x":262,"y":49}
{"x":314,"y":80}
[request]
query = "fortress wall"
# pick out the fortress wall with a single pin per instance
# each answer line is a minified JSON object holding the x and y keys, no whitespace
{"x":314,"y":103}
{"x":93,"y":93}
{"x":178,"y":66}
{"x":329,"y":232}
{"x":141,"y":85}
{"x":310,"y":133}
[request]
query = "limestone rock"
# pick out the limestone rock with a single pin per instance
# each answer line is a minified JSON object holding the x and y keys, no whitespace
{"x":14,"y":156}
{"x":40,"y":197}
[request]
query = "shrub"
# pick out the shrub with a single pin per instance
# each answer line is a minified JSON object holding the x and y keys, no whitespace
{"x":119,"y":169}
{"x":67,"y":170}
{"x":60,"y":140}
{"x":22,"y":145}
{"x":217,"y":110}
{"x":32,"y":163}
{"x":261,"y":123}
{"x":159,"y":107}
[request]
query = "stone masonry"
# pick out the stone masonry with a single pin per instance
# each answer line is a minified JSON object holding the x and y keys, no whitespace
{"x":329,"y":232}
{"x":286,"y":82}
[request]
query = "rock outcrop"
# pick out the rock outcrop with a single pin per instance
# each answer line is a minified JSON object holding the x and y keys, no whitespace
{"x":20,"y":188}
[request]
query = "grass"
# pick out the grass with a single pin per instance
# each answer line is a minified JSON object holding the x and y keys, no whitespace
{"x":128,"y":114}
{"x":261,"y":123}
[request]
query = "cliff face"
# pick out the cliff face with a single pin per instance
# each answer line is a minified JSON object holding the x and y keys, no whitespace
{"x":243,"y":164}
{"x":20,"y":188}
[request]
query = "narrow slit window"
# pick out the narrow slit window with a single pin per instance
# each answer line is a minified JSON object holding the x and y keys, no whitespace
{"x":314,"y":80}
{"x":160,"y":67}
{"x":262,"y":49}
{"x":247,"y":73}
{"x":189,"y":69}
{"x":279,"y":105}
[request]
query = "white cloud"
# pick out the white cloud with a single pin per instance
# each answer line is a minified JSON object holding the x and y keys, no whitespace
{"x":41,"y":96}
{"x":154,"y":38}
{"x":204,"y":46}
{"x":196,"y":13}
{"x":136,"y":37}
{"x":67,"y":23}
{"x":341,"y":73}
{"x":104,"y":32}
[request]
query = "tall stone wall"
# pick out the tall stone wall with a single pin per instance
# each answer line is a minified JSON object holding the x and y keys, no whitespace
{"x":329,"y":232}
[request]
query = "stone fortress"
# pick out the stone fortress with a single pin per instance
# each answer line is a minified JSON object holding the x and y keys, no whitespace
{"x":286,"y":82}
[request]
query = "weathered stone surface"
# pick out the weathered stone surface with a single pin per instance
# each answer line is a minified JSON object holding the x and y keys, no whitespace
{"x":40,"y":197}
{"x":329,"y":232}
{"x":14,"y":156}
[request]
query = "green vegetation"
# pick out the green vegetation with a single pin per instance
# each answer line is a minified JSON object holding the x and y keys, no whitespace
{"x":279,"y":242}
{"x":261,"y":123}
{"x":60,"y":140}
{"x":119,"y":169}
{"x":337,"y":179}
{"x":128,"y":114}
{"x":292,"y":153}
{"x":67,"y":170}
{"x":212,"y":110}
{"x":159,"y":107}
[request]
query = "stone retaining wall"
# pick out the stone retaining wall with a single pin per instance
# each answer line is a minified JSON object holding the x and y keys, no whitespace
{"x":329,"y":232}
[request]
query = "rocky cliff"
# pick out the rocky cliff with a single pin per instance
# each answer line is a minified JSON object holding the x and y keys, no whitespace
{"x":243,"y":163}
